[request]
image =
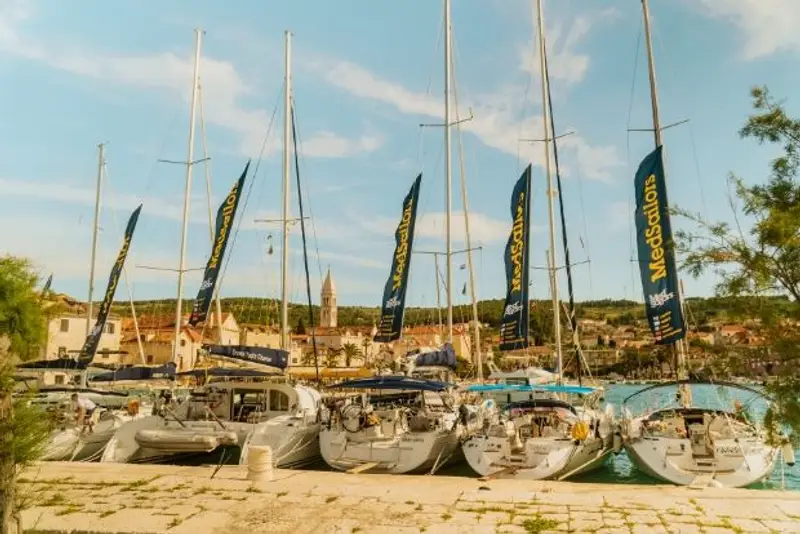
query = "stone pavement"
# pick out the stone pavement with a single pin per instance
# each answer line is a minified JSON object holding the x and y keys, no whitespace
{"x":108,"y":498}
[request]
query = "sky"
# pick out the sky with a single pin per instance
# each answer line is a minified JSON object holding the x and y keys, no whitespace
{"x":365,"y":76}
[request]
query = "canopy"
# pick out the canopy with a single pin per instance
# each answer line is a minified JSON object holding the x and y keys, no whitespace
{"x":260,"y":355}
{"x":393,"y":382}
{"x":579,"y":390}
{"x":224,"y":371}
{"x":720,"y":383}
{"x":444,"y":357}
{"x":138,"y":373}
{"x":62,"y":364}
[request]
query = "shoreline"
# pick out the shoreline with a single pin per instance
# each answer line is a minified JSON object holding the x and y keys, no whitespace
{"x":133,"y":498}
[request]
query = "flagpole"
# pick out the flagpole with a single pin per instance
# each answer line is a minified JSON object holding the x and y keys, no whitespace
{"x":550,"y":193}
{"x":189,"y":164}
{"x":95,"y":225}
{"x":651,"y":68}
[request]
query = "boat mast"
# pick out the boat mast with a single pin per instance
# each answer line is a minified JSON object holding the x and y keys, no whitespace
{"x":448,"y":168}
{"x":100,"y":165}
{"x":548,"y":137}
{"x":189,"y":164}
{"x":287,"y":118}
{"x":651,"y":67}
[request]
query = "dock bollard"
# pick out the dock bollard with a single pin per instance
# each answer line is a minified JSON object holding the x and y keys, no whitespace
{"x":259,"y":464}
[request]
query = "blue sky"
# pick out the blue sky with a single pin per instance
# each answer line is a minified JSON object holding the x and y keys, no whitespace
{"x":366,"y":74}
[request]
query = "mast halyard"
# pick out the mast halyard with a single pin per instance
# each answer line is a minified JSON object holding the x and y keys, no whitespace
{"x":287,"y":118}
{"x":189,"y":164}
{"x":95,"y":225}
{"x":548,"y":137}
{"x":448,"y":168}
{"x":651,"y":68}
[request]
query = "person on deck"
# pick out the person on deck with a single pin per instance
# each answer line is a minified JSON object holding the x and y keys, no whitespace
{"x":84,"y":410}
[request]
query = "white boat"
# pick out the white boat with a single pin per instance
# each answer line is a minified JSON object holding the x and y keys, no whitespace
{"x":685,"y":444}
{"x":72,"y":441}
{"x":228,"y":417}
{"x":543,"y":437}
{"x":398,"y":425}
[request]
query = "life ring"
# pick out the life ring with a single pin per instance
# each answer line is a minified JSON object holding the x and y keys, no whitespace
{"x":580,"y":431}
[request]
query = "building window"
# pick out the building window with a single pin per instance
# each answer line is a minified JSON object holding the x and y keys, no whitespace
{"x":295,"y":361}
{"x":64,"y":325}
{"x":149,"y":358}
{"x":62,"y":352}
{"x":59,"y":380}
{"x":183,"y":342}
{"x":104,"y":355}
{"x":109,"y":328}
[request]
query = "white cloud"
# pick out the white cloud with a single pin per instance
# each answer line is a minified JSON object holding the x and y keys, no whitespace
{"x":769,"y":26}
{"x":223,"y":88}
{"x":500,"y":120}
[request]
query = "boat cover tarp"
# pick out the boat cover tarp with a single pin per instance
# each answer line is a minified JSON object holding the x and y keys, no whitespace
{"x":138,"y":373}
{"x":444,"y":357}
{"x":579,"y":390}
{"x":224,"y":371}
{"x":61,"y":364}
{"x":260,"y":355}
{"x":394,"y":382}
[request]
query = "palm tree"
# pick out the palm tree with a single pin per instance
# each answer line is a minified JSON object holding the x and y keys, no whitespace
{"x":332,"y":357}
{"x":308,"y":358}
{"x":350,"y":351}
{"x":367,"y":342}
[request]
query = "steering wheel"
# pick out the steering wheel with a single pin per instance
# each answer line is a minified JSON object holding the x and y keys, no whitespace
{"x":349,"y":414}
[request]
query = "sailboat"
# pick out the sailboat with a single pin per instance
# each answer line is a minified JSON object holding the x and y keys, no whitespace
{"x":237,"y":408}
{"x":544,"y":430}
{"x":682,"y":442}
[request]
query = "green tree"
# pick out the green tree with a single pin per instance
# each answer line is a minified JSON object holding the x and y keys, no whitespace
{"x":300,"y":329}
{"x":21,"y":318}
{"x":764,"y":258}
{"x":351,"y":351}
{"x":308,"y":358}
{"x":23,"y":430}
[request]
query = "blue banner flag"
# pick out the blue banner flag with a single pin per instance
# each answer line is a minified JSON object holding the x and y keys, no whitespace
{"x":657,"y":252}
{"x":514,"y":323}
{"x":394,"y":293}
{"x":93,"y":339}
{"x":225,"y":216}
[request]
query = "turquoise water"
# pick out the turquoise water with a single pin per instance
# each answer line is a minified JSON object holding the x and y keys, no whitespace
{"x":620,"y":470}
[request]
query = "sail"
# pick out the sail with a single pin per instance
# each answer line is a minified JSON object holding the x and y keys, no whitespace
{"x":47,"y":285}
{"x":514,"y":323}
{"x":93,"y":339}
{"x":394,"y":293}
{"x":225,"y":216}
{"x":260,"y":355}
{"x":657,"y":252}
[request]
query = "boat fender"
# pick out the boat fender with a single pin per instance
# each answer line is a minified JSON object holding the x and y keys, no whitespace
{"x":580,"y":431}
{"x":788,"y":453}
{"x":617,"y":443}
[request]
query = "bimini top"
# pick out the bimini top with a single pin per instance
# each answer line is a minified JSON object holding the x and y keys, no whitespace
{"x":166,"y":371}
{"x":692,"y":381}
{"x":63,"y":364}
{"x":444,"y":357}
{"x":578,"y":390}
{"x":230,"y":372}
{"x":394,"y":382}
{"x":260,"y":355}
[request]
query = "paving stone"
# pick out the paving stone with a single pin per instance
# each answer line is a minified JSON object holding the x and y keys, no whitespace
{"x":784,"y":527}
{"x":748,"y":525}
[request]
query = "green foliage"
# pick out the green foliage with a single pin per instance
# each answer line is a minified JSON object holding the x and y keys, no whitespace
{"x":21,"y":318}
{"x":766,"y":257}
{"x":24,"y":434}
{"x":763,"y":259}
{"x":351,"y":352}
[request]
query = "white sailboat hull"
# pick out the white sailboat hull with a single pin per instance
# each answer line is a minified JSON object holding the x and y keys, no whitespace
{"x":733,"y":465}
{"x":403,"y":453}
{"x":542,"y":458}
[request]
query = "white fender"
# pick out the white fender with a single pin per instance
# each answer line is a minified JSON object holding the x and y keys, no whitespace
{"x":617,"y":447}
{"x":788,"y":453}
